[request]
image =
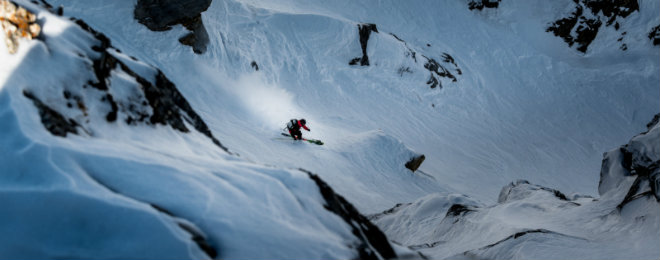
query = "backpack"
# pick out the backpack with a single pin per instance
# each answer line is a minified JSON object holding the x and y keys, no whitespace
{"x":293,"y":124}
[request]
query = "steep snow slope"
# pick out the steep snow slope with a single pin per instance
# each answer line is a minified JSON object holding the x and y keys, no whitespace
{"x":103,"y":158}
{"x":250,"y":112}
{"x":524,"y":105}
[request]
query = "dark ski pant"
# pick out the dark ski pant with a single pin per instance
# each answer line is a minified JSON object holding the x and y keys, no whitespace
{"x":296,"y":134}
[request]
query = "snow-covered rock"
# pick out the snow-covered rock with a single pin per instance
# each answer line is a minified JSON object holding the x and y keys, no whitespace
{"x":483,"y":4}
{"x":639,"y":160}
{"x":654,"y":35}
{"x":489,"y":97}
{"x":103,"y":157}
{"x":583,"y":24}
{"x":535,"y":222}
{"x":161,"y":15}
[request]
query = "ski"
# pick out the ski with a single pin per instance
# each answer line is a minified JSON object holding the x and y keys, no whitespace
{"x":314,"y":141}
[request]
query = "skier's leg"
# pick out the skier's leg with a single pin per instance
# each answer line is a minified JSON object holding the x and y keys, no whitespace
{"x":292,"y":134}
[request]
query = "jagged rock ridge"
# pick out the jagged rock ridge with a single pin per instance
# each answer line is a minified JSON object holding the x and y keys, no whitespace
{"x":375,"y":244}
{"x":152,"y":99}
{"x":581,"y":28}
{"x":437,"y":69}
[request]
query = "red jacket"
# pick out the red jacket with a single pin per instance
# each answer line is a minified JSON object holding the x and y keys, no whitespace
{"x":295,"y":125}
{"x":303,"y":126}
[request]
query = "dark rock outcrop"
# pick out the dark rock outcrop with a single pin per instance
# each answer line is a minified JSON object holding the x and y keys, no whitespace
{"x":639,"y":159}
{"x":372,"y":238}
{"x":365,"y":31}
{"x":654,"y":35}
{"x":458,"y":210}
{"x":167,"y":104}
{"x":433,"y":82}
{"x":155,"y":99}
{"x":612,"y":9}
{"x":55,"y":10}
{"x":160,"y":15}
{"x":414,"y":163}
{"x":440,"y":71}
{"x":54,"y":122}
{"x":480,"y":5}
{"x":199,"y":239}
{"x":443,"y":67}
{"x":654,"y":121}
{"x":586,"y":29}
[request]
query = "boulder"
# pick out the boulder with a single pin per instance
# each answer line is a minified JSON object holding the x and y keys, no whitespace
{"x":415,"y":162}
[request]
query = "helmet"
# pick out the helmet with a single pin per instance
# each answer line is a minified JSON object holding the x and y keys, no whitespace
{"x":302,"y":121}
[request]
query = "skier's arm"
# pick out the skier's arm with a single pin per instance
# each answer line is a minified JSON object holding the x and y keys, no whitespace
{"x":303,"y":126}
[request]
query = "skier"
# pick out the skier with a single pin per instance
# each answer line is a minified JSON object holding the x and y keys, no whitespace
{"x":294,"y":128}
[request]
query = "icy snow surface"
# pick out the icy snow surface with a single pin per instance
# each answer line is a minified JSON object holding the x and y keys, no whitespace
{"x":524,"y":106}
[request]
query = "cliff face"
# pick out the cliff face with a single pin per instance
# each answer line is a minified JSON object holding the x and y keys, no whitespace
{"x":161,"y":15}
{"x":639,"y":161}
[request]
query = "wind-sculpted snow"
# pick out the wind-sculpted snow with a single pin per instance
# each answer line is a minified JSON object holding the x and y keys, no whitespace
{"x":535,"y":222}
{"x":516,"y":83}
{"x":488,"y":97}
{"x":41,"y":224}
{"x":99,"y":162}
{"x":513,"y":191}
{"x":528,"y":244}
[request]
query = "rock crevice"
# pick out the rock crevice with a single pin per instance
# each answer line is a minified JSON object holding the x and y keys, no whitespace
{"x":364,"y":31}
